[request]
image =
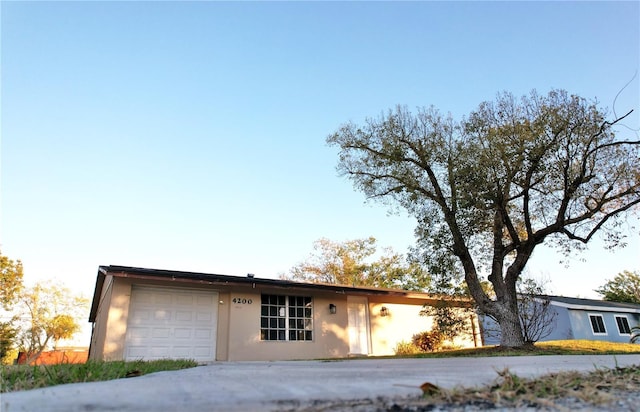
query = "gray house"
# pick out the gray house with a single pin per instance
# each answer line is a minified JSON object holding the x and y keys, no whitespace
{"x":577,"y":318}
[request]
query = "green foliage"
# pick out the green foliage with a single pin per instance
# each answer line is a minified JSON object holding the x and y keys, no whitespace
{"x":450,"y":321}
{"x":624,"y":287}
{"x":428,"y":341}
{"x":10,"y":281}
{"x":8,"y":334}
{"x":24,"y":377}
{"x":487,"y":190}
{"x":51,"y":312}
{"x":354,"y":263}
{"x":406,"y":348}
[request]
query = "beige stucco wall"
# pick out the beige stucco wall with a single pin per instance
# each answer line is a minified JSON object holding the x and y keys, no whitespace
{"x":330,"y":337}
{"x":117,"y":320}
{"x":238,"y":324}
{"x":98,"y":335}
{"x":402,"y":321}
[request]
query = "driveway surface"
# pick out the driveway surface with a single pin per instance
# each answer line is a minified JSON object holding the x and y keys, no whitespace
{"x":272,"y":386}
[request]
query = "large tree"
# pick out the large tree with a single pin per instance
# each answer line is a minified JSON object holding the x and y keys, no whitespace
{"x":488,"y":189}
{"x":624,"y":287}
{"x":357,"y":262}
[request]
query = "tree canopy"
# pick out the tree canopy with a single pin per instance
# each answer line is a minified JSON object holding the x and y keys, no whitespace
{"x":50,"y":313}
{"x":354,"y":263}
{"x":10,"y":281}
{"x":486,"y":190}
{"x":624,"y":287}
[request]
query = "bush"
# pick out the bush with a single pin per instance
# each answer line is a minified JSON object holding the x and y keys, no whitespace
{"x":429,"y":341}
{"x":406,"y":348}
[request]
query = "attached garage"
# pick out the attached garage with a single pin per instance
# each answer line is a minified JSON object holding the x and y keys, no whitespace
{"x":171,"y":323}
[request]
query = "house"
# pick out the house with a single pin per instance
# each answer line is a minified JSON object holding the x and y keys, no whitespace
{"x":576,"y":318}
{"x":142,"y":313}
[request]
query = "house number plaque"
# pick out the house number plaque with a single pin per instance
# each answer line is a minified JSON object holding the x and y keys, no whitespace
{"x":242,"y":301}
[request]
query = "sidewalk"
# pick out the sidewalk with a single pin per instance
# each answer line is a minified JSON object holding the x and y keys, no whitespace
{"x":259,"y":386}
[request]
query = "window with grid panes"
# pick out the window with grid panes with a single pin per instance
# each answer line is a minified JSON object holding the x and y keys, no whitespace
{"x":286,"y":318}
{"x":597,"y":325}
{"x":623,"y":325}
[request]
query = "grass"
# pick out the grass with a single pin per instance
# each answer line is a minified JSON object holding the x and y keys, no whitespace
{"x":558,"y":347}
{"x":24,"y":377}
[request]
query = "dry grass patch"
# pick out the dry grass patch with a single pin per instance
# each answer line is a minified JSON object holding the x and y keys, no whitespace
{"x":596,"y":388}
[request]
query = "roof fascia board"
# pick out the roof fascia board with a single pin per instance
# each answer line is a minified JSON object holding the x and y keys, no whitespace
{"x":595,"y":308}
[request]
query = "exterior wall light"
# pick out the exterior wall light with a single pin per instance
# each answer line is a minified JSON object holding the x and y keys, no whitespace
{"x":384,"y":311}
{"x":332,"y":308}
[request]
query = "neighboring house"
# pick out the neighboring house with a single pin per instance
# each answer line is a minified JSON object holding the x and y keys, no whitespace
{"x":580,"y":319}
{"x":151,"y":314}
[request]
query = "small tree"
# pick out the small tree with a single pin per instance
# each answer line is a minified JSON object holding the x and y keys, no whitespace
{"x":353,"y":263}
{"x":537,"y":317}
{"x":51,"y":313}
{"x":624,"y":287}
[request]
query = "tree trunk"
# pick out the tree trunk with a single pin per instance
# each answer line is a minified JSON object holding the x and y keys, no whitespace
{"x":510,"y":331}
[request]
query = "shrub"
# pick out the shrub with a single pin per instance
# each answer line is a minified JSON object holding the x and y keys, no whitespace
{"x":429,"y":341}
{"x":406,"y":348}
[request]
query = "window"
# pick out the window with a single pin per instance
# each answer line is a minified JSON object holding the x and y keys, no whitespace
{"x":623,"y":325}
{"x":597,"y":325}
{"x":287,"y":318}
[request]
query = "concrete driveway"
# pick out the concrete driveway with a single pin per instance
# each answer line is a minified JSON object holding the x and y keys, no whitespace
{"x":261,"y":386}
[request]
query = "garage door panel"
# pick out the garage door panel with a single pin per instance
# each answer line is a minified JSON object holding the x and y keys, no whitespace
{"x":139,"y":315}
{"x":171,"y":324}
{"x":184,"y":316}
{"x":202,"y":333}
{"x":183,"y":352}
{"x":182,"y":333}
{"x":203,"y":316}
{"x":201,"y":351}
{"x":161,"y":333}
{"x":184,"y":300}
{"x":138,"y":333}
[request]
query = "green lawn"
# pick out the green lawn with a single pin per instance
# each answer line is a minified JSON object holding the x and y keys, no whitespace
{"x":23,"y":377}
{"x":557,"y":347}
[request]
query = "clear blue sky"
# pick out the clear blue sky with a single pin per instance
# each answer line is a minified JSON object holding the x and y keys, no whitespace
{"x":191,"y":136}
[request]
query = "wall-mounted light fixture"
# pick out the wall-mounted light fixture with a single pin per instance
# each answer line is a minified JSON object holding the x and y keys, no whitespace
{"x":332,"y":308}
{"x":384,"y":311}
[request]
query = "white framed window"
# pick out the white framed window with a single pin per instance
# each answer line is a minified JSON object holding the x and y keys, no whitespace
{"x":597,"y":325}
{"x":623,"y":325}
{"x":286,"y":318}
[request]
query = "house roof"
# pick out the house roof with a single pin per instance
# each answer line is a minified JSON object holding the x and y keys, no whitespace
{"x":593,"y":304}
{"x":216,"y":279}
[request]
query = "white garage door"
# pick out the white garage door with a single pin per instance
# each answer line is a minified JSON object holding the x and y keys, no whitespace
{"x":171,"y":323}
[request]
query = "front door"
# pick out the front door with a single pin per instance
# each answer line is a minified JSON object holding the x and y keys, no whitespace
{"x":358,"y":325}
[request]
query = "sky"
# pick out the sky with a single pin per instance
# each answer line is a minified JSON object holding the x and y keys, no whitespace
{"x":191,"y":135}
